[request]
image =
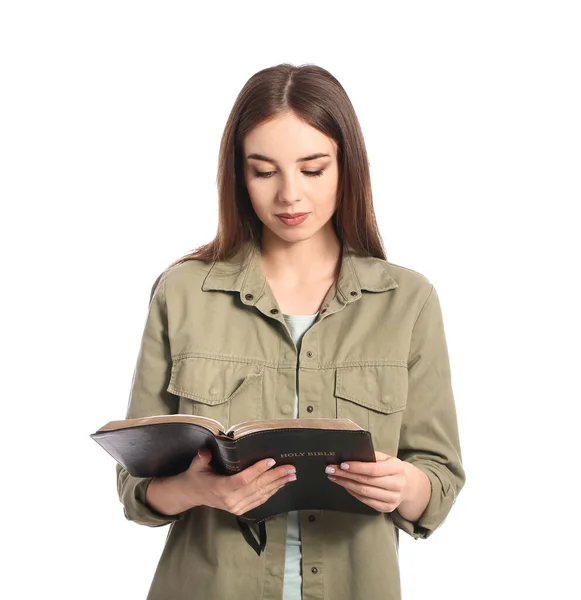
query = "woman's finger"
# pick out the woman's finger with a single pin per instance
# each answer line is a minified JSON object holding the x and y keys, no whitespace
{"x":250,"y":502}
{"x":389,"y":466}
{"x":251,"y":473}
{"x":376,"y":504}
{"x":392,"y":483}
{"x":366,"y":490}
{"x":258,"y":492}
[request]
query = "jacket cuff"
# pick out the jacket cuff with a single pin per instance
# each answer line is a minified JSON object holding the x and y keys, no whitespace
{"x":441,"y":500}
{"x":135,"y":506}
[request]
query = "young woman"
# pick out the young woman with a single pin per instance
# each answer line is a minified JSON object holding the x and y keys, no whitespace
{"x":294,"y":311}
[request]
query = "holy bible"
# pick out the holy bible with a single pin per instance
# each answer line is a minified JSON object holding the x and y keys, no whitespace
{"x":165,"y":445}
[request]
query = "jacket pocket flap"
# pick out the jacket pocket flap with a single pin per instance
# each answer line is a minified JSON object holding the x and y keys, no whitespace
{"x":211,"y":381}
{"x":382,"y":388}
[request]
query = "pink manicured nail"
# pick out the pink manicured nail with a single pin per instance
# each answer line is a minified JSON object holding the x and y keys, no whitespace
{"x":344,"y":466}
{"x":270,"y":462}
{"x":330,"y":470}
{"x":331,"y":478}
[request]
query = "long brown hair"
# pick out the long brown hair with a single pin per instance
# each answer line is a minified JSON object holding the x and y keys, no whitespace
{"x":316,"y":97}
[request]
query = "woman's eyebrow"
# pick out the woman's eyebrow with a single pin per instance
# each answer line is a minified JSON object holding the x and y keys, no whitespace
{"x":271,"y":160}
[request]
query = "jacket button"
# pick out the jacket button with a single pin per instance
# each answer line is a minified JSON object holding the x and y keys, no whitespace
{"x":274,"y":311}
{"x":310,"y":354}
{"x":354,"y":293}
{"x":249,"y":296}
{"x":310,"y":409}
{"x":311,"y":518}
{"x":286,"y":409}
{"x":314,"y":570}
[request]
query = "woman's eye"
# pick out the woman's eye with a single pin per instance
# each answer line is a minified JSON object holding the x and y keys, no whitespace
{"x":267,"y":174}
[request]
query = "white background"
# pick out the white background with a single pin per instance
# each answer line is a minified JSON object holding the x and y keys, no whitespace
{"x":110,"y":120}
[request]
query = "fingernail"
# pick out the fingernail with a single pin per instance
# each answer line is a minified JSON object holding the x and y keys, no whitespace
{"x":331,"y":478}
{"x":293,"y":478}
{"x":270,"y":462}
{"x":330,"y":470}
{"x":291,"y":471}
{"x":344,"y":466}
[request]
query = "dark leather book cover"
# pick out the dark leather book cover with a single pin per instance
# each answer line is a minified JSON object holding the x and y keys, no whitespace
{"x":310,"y":451}
{"x":158,"y":449}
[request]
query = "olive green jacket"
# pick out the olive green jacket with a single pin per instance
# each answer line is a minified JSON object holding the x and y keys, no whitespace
{"x":215,"y":343}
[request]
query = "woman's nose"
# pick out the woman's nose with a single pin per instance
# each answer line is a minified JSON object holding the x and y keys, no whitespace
{"x":289,"y":191}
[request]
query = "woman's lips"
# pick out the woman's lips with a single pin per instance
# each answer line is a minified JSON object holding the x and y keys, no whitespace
{"x":294,"y":220}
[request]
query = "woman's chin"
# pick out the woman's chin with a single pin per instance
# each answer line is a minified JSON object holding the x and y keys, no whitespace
{"x":293,"y":236}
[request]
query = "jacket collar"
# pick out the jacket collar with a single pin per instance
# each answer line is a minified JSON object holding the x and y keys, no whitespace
{"x":243,"y":274}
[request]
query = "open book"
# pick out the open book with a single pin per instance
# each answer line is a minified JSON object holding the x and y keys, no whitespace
{"x":165,"y":445}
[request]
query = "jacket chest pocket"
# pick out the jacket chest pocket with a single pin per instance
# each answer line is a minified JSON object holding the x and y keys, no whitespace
{"x":375,"y":398}
{"x":228,"y":391}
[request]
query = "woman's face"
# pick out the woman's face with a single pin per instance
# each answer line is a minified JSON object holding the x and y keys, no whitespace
{"x":279,"y":180}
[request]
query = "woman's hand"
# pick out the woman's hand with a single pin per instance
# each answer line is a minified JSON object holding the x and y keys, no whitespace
{"x":201,"y":485}
{"x":385,"y":485}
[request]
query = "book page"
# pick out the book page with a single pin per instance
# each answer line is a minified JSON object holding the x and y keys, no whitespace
{"x":210,"y":424}
{"x":247,"y":427}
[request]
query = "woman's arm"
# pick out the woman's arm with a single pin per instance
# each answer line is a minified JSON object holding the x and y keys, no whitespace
{"x":149,"y":396}
{"x":429,"y":439}
{"x":165,"y":496}
{"x":416,"y":493}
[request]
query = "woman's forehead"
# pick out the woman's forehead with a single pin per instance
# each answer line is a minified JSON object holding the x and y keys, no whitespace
{"x":287,"y":139}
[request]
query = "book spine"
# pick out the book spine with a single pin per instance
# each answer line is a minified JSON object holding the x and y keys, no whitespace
{"x":227,"y":456}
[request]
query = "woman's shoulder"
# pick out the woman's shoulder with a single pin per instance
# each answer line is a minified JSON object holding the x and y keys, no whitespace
{"x":192,"y":267}
{"x":185,"y":276}
{"x":407,"y":275}
{"x":414,"y":288}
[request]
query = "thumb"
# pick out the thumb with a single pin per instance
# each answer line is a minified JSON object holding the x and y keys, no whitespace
{"x":202,"y":459}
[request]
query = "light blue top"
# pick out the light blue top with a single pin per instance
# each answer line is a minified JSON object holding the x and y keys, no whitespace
{"x":298,"y":325}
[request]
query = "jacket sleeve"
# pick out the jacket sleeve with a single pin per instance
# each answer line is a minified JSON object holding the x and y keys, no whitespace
{"x":148,"y":397}
{"x":429,"y":436}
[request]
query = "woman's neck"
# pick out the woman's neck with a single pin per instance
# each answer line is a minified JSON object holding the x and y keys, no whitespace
{"x":305,"y":261}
